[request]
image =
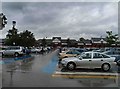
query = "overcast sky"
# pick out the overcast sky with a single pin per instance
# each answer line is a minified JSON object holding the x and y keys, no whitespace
{"x":65,"y":19}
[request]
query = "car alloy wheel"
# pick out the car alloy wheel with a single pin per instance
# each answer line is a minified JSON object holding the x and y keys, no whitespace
{"x":16,"y":54}
{"x":106,"y":67}
{"x":71,"y":66}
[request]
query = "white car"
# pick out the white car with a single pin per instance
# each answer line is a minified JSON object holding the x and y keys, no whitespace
{"x":89,"y":60}
{"x":36,"y":50}
{"x":14,"y":50}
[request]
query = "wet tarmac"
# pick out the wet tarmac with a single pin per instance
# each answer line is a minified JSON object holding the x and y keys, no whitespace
{"x":37,"y":71}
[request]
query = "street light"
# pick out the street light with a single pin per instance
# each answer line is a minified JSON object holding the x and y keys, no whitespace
{"x":14,"y":23}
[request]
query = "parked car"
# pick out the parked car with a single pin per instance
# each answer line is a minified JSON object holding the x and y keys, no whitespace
{"x":68,"y":54}
{"x":101,"y":50}
{"x":14,"y":51}
{"x":79,"y":49}
{"x":115,"y":54}
{"x":89,"y":60}
{"x":36,"y":50}
{"x":27,"y":51}
{"x":64,"y":49}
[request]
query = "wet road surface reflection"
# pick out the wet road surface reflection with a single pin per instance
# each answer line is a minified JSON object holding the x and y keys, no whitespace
{"x":37,"y":71}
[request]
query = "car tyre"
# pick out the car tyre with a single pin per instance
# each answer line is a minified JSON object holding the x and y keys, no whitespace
{"x":118,"y":62}
{"x":71,"y":66}
{"x":16,"y":54}
{"x":106,"y":67}
{"x":2,"y":54}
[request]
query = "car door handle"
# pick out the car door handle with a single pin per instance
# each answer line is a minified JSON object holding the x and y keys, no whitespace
{"x":90,"y":60}
{"x":101,"y":60}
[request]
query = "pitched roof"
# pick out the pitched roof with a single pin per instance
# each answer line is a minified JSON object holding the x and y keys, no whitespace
{"x":64,"y":40}
{"x":98,"y":39}
{"x":73,"y":41}
{"x":85,"y":41}
{"x":59,"y":38}
{"x":47,"y":40}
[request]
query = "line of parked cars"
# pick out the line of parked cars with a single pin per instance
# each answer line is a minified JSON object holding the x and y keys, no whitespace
{"x":72,"y":52}
{"x":19,"y":50}
{"x":72,"y":58}
{"x":41,"y":50}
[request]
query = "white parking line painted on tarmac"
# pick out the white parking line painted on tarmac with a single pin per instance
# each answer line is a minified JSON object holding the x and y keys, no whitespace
{"x":86,"y":73}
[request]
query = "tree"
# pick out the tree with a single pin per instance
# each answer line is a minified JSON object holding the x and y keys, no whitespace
{"x":81,"y":39}
{"x":111,"y":39}
{"x":12,"y":37}
{"x":3,"y":21}
{"x":68,"y":42}
{"x":26,"y":38}
{"x":44,"y":43}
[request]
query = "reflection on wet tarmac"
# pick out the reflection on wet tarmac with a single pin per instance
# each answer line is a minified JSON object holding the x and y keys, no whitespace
{"x":91,"y":80}
{"x":23,"y":65}
{"x":99,"y":82}
{"x":29,"y":73}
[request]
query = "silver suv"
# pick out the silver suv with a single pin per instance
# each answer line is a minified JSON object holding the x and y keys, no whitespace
{"x":14,"y":51}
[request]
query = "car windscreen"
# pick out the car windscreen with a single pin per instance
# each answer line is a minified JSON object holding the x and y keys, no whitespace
{"x":86,"y":55}
{"x":105,"y":56}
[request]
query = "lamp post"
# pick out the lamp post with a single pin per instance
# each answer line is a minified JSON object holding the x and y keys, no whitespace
{"x":14,"y":24}
{"x":14,"y":30}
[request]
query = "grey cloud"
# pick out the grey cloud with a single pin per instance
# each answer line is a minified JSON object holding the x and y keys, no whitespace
{"x":61,"y":0}
{"x":14,"y":6}
{"x":66,"y":19}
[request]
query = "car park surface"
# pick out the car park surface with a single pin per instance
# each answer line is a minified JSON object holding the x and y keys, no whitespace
{"x":41,"y":71}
